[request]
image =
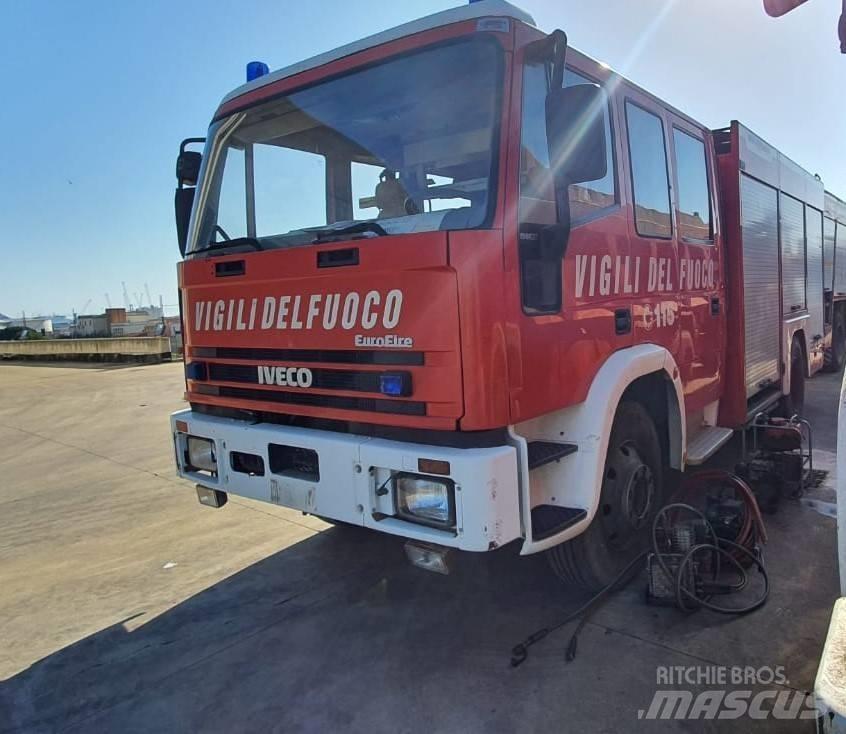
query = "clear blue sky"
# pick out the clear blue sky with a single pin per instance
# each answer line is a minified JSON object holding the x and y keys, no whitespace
{"x":98,"y":95}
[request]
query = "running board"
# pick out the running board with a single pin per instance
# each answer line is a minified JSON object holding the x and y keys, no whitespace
{"x":549,"y":520}
{"x":544,"y":452}
{"x":706,"y":444}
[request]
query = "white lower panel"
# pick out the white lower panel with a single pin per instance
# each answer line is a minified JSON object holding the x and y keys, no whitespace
{"x":353,"y":468}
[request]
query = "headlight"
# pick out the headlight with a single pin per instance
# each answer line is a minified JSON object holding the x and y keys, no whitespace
{"x":201,"y":454}
{"x":425,"y":500}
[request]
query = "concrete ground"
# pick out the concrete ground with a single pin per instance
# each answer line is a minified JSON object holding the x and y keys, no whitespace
{"x":126,"y":606}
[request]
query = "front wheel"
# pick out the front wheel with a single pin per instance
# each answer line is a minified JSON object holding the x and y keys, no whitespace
{"x":632,"y":492}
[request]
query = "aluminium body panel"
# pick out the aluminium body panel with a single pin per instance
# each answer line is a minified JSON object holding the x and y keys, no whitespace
{"x":814,"y":239}
{"x":792,"y":222}
{"x":835,"y":232}
{"x":829,"y":234}
{"x":840,"y":260}
{"x":759,"y":230}
{"x":760,"y":159}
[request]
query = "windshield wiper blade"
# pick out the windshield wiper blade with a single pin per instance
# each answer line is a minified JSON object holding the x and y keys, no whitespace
{"x":236,"y":242}
{"x":325,"y":235}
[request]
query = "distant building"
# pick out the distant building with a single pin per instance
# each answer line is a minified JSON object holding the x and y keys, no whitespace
{"x":129,"y":328}
{"x":91,"y":325}
{"x":4,"y":321}
{"x":140,"y":322}
{"x":42,"y":324}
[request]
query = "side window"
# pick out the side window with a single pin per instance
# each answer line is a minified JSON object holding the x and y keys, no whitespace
{"x":650,"y":182}
{"x":537,"y":194}
{"x":694,"y":200}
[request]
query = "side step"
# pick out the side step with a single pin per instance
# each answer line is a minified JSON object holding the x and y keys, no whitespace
{"x":547,"y":520}
{"x":706,"y":443}
{"x":543,"y":452}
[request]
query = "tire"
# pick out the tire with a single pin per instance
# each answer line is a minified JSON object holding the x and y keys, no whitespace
{"x":836,"y":354}
{"x":794,"y":402}
{"x":631,"y":494}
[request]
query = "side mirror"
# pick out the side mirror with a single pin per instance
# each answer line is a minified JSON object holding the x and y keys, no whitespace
{"x":188,"y":167}
{"x":575,"y":131}
{"x":187,"y":173}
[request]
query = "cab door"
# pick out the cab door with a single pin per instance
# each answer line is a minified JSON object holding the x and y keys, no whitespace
{"x":701,"y":297}
{"x":655,"y":283}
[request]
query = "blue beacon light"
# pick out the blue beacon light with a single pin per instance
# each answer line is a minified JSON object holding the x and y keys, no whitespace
{"x":255,"y":69}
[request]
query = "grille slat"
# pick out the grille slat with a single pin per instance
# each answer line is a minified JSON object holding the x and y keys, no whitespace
{"x":343,"y":402}
{"x":331,"y":356}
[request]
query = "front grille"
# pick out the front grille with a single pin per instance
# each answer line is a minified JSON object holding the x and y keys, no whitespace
{"x":332,"y":356}
{"x":321,"y":378}
{"x":399,"y":407}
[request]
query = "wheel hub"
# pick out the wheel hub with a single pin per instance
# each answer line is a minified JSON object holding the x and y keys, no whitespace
{"x":637,"y":497}
{"x":630,"y":492}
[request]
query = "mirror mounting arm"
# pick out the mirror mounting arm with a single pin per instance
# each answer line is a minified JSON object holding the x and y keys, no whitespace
{"x":551,"y":50}
{"x":558,"y":56}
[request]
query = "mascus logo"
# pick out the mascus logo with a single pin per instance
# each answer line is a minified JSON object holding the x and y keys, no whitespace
{"x":349,"y":311}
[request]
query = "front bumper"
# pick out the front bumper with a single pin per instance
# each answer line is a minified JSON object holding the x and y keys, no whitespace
{"x":353,"y":473}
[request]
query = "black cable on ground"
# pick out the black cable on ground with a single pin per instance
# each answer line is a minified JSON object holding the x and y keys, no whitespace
{"x":520,"y":652}
{"x":723,"y":552}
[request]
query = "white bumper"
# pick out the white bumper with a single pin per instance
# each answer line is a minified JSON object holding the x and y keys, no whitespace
{"x":351,"y":470}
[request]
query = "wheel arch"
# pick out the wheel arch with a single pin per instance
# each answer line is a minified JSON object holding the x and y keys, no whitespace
{"x":635,"y":371}
{"x":656,"y":392}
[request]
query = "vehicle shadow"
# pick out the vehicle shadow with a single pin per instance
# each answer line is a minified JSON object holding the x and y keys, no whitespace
{"x":339,"y":632}
{"x":325,"y":608}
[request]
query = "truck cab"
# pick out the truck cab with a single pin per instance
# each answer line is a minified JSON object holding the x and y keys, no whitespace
{"x":455,"y":282}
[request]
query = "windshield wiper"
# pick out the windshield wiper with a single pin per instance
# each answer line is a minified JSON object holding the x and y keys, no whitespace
{"x":238,"y":241}
{"x":327,"y":235}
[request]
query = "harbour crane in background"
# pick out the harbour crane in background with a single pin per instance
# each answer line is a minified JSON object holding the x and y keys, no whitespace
{"x":149,"y":297}
{"x":777,"y":8}
{"x":126,"y":302}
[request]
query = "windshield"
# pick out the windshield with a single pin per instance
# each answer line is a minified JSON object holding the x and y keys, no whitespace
{"x":405,"y":145}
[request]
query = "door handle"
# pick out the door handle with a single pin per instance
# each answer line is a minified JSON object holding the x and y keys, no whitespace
{"x":715,"y":306}
{"x":622,"y":321}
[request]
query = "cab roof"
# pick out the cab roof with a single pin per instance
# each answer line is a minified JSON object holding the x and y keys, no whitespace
{"x":470,"y":11}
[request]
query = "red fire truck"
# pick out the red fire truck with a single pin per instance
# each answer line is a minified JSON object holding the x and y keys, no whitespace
{"x":460,"y":284}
